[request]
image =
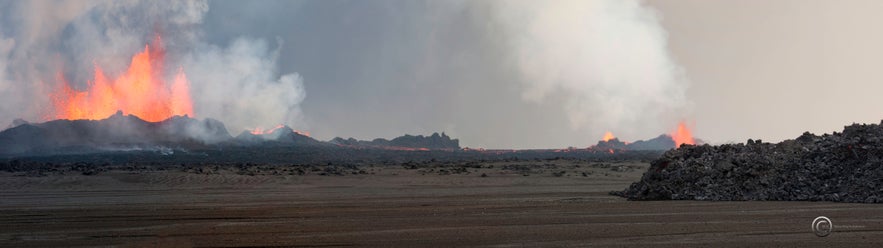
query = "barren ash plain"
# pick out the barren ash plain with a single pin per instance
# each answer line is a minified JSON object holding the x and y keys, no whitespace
{"x":291,"y":190}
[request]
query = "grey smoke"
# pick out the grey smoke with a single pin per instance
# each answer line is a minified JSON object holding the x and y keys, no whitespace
{"x":239,"y":84}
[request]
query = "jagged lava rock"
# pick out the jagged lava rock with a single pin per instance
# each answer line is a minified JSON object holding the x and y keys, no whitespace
{"x":840,"y":167}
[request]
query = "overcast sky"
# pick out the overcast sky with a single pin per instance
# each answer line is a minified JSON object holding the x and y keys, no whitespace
{"x":773,"y":69}
{"x":515,"y":74}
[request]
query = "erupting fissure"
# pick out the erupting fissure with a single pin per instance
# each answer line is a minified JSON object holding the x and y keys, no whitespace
{"x":608,"y":136}
{"x":261,"y":131}
{"x":141,"y":91}
{"x":682,"y":135}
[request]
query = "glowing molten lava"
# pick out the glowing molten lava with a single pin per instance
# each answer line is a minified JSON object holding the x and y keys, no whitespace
{"x":682,"y":135}
{"x":140,"y":91}
{"x":608,"y":136}
{"x":304,"y":133}
{"x":261,"y":131}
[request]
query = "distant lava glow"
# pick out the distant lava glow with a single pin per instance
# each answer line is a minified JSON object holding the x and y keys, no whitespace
{"x":261,"y":131}
{"x":141,"y":91}
{"x":682,"y":135}
{"x":608,"y":136}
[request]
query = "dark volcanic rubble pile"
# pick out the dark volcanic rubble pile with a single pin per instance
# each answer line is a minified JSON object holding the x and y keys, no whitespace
{"x":841,"y":167}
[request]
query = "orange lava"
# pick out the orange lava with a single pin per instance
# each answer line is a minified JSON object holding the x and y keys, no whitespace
{"x":261,"y":131}
{"x":304,"y":133}
{"x":140,"y":91}
{"x":401,"y":148}
{"x":682,"y":135}
{"x":608,"y":136}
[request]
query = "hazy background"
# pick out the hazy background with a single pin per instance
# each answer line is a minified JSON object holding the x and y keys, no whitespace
{"x":496,"y":74}
{"x":756,"y":69}
{"x":773,"y":69}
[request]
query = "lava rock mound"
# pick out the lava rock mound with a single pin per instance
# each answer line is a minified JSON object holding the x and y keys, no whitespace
{"x":839,"y":167}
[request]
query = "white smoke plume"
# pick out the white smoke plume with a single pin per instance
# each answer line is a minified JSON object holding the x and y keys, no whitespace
{"x":608,"y":59}
{"x":238,"y":84}
{"x":252,"y":94}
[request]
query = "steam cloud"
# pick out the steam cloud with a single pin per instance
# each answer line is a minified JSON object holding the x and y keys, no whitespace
{"x":497,"y":74}
{"x":238,"y":84}
{"x":608,"y":59}
{"x":592,"y":66}
{"x":252,"y":92}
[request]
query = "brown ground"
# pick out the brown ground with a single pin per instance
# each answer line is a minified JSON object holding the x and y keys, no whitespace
{"x":396,"y":206}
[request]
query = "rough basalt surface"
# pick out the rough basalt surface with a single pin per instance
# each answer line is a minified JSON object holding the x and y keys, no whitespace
{"x":840,"y":167}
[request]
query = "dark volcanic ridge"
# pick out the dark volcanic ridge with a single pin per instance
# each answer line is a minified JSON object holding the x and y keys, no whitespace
{"x":662,"y":142}
{"x":283,"y":136}
{"x":121,"y":132}
{"x":840,"y":167}
{"x":406,"y":142}
{"x":127,"y":139}
{"x":117,"y":132}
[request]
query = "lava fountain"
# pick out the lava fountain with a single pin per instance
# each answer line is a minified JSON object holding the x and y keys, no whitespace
{"x":141,"y":91}
{"x":608,"y":136}
{"x":682,"y":135}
